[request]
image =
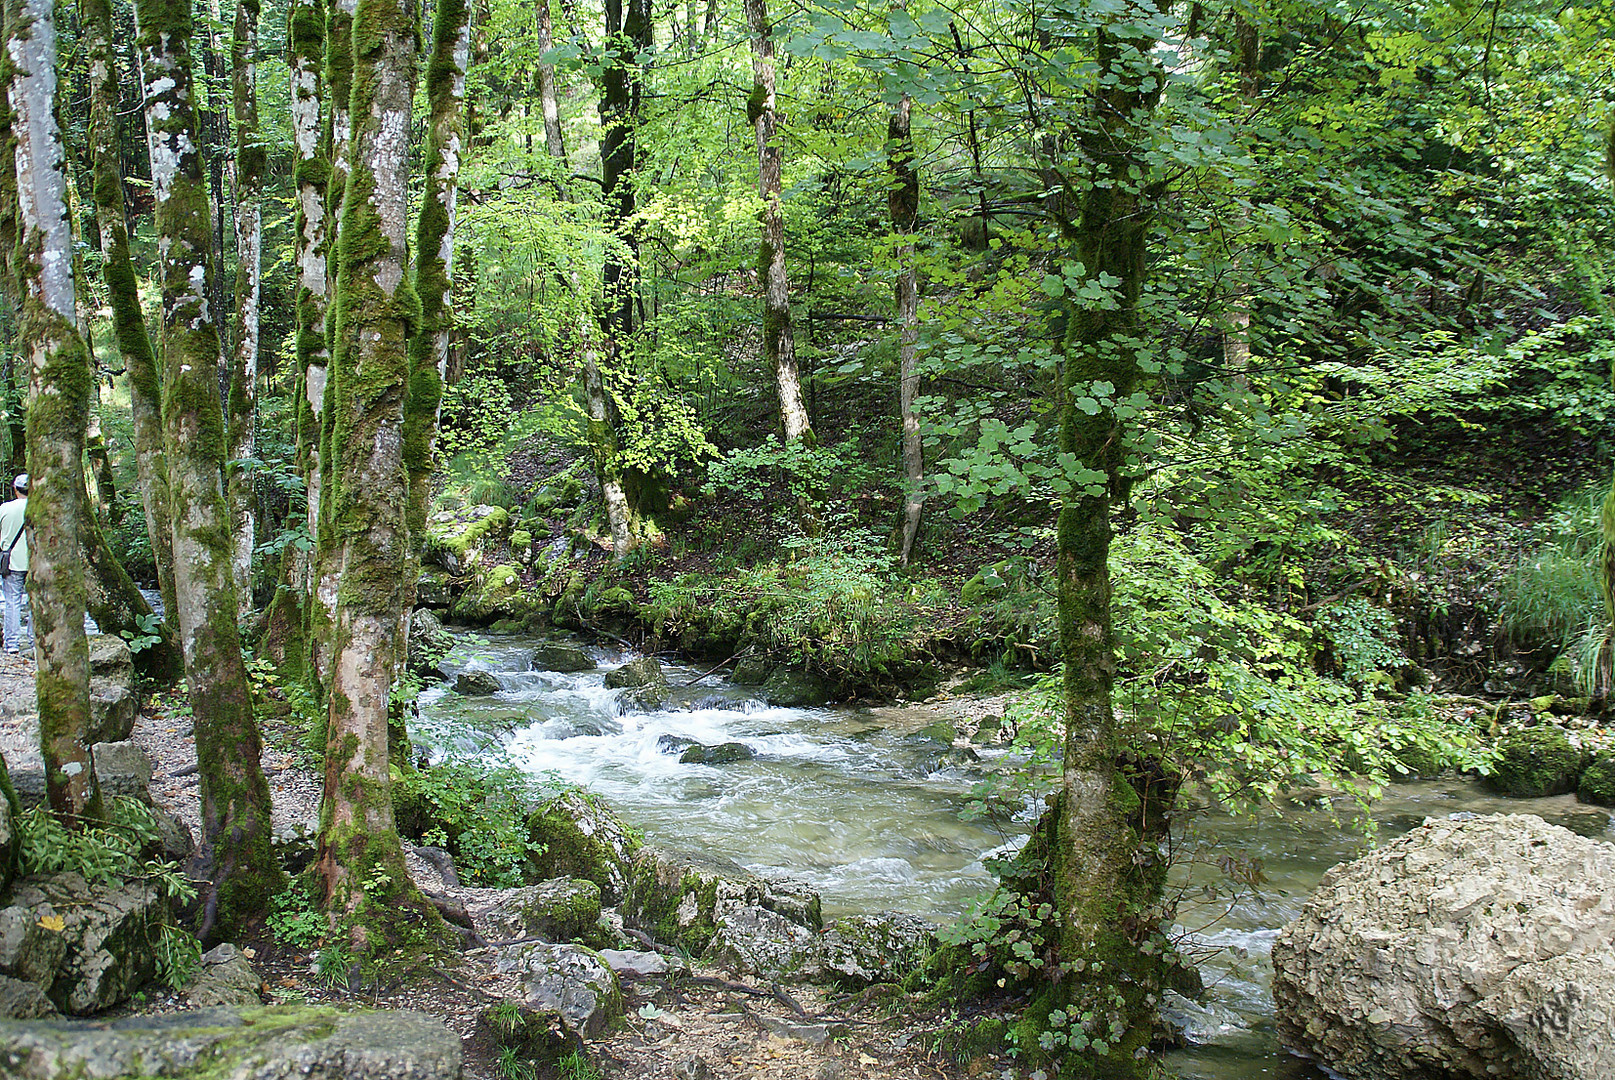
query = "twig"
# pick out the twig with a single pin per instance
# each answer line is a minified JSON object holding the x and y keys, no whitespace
{"x":725,"y":663}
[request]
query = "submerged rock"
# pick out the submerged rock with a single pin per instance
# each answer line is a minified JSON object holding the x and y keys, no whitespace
{"x":265,"y":1044}
{"x":1475,"y":948}
{"x":477,"y":683}
{"x":722,"y":754}
{"x":562,"y":658}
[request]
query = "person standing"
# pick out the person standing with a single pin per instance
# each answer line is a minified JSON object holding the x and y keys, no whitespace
{"x":14,"y":539}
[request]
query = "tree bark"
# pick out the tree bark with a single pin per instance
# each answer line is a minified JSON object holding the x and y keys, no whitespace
{"x":286,"y":637}
{"x":249,"y":186}
{"x":434,"y":264}
{"x":234,"y":866}
{"x":368,"y":892}
{"x":904,"y":202}
{"x":58,"y":411}
{"x":779,"y":346}
{"x":1113,"y":805}
{"x":553,"y":140}
{"x":123,"y":290}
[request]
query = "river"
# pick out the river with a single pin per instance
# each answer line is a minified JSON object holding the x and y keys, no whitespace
{"x":858,"y":803}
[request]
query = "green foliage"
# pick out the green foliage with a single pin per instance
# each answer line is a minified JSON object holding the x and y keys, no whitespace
{"x":577,"y":1066}
{"x":149,"y":629}
{"x":1365,"y":640}
{"x":1552,"y":599}
{"x":478,"y":812}
{"x":295,"y":918}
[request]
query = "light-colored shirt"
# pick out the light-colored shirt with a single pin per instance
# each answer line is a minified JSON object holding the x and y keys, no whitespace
{"x":11,"y":524}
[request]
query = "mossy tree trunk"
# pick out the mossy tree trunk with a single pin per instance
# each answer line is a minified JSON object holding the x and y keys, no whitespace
{"x":1107,"y":869}
{"x":434,"y":264}
{"x":903,"y":199}
{"x":368,"y":892}
{"x":779,"y":344}
{"x":58,"y":411}
{"x":628,"y":32}
{"x":285,"y":639}
{"x":553,"y":140}
{"x":236,"y":871}
{"x":249,"y":187}
{"x":1607,"y":556}
{"x":339,"y":151}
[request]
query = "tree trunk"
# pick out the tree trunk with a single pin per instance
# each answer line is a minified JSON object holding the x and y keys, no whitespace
{"x":361,"y":862}
{"x":434,"y":264}
{"x":123,"y":290}
{"x":285,"y":640}
{"x":1112,"y":807}
{"x":58,"y":411}
{"x":904,"y":203}
{"x":779,"y":347}
{"x":1236,"y":331}
{"x":546,"y":85}
{"x":236,"y":871}
{"x":249,"y":186}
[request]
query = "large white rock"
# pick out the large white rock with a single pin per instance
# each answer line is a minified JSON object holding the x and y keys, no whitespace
{"x":1482,"y":947}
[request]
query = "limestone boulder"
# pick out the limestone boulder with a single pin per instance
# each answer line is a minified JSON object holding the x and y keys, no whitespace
{"x":10,"y":846}
{"x":429,"y":643}
{"x":645,"y":682}
{"x":583,"y":837}
{"x":112,"y":689}
{"x":566,"y":979}
{"x":1472,"y":947}
{"x":225,"y":977}
{"x":686,"y":898}
{"x":87,"y":946}
{"x":884,"y":947}
{"x":122,"y":768}
{"x":748,"y":939}
{"x":285,"y":1043}
{"x":21,"y":1000}
{"x":558,"y":910}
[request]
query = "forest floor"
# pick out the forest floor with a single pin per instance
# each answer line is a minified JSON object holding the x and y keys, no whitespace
{"x":701,"y":1025}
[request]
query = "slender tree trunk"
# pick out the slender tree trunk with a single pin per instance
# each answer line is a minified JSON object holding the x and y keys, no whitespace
{"x":546,"y":85}
{"x":1113,"y":805}
{"x":123,"y":290}
{"x":1236,"y":333}
{"x":904,"y":201}
{"x":249,"y":186}
{"x":339,"y":60}
{"x":233,"y":864}
{"x":779,"y":347}
{"x":57,"y":413}
{"x":285,"y":639}
{"x":1607,"y":520}
{"x":361,"y":862}
{"x":434,"y":263}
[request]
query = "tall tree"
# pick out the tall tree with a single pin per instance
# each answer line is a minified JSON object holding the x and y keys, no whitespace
{"x":553,"y":140}
{"x":233,"y":862}
{"x":779,"y":344}
{"x":361,"y":861}
{"x":904,"y":203}
{"x":58,"y":410}
{"x":250,"y":160}
{"x":1112,"y":803}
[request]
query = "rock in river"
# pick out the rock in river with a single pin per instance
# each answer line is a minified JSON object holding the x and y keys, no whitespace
{"x":1469,"y":948}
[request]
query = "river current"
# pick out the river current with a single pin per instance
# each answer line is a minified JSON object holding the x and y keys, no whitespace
{"x":860,"y":804}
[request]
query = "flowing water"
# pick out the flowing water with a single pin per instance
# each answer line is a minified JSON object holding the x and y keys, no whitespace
{"x":859,"y":804}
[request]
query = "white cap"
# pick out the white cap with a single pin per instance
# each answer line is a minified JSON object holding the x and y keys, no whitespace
{"x":21,"y":483}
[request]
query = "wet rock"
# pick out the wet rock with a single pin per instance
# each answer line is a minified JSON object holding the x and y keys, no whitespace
{"x":680,"y":897}
{"x":885,"y":947}
{"x":122,"y":768}
{"x":722,"y":754}
{"x":224,"y":978}
{"x":263,"y":1044}
{"x":748,"y":939}
{"x":477,"y":683}
{"x":790,"y":689}
{"x":105,"y":931}
{"x":1536,"y":761}
{"x":565,"y":979}
{"x":429,"y":643}
{"x":673,"y":744}
{"x":559,"y":910}
{"x":562,"y":658}
{"x":752,"y":671}
{"x":1468,"y":948}
{"x":21,"y":1000}
{"x":645,"y":682}
{"x":583,"y":838}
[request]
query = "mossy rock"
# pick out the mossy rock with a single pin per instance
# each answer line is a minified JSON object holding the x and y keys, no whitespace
{"x":617,"y":600}
{"x":1419,"y":763}
{"x":1535,"y":762}
{"x":1597,"y":784}
{"x":476,"y":683}
{"x":791,"y":689}
{"x":582,"y":838}
{"x":752,"y":671}
{"x":722,"y":754}
{"x":433,"y":589}
{"x":494,"y":593}
{"x":531,"y":1035}
{"x":940,"y":733}
{"x":455,"y":538}
{"x":563,"y":658}
{"x":521,"y":542}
